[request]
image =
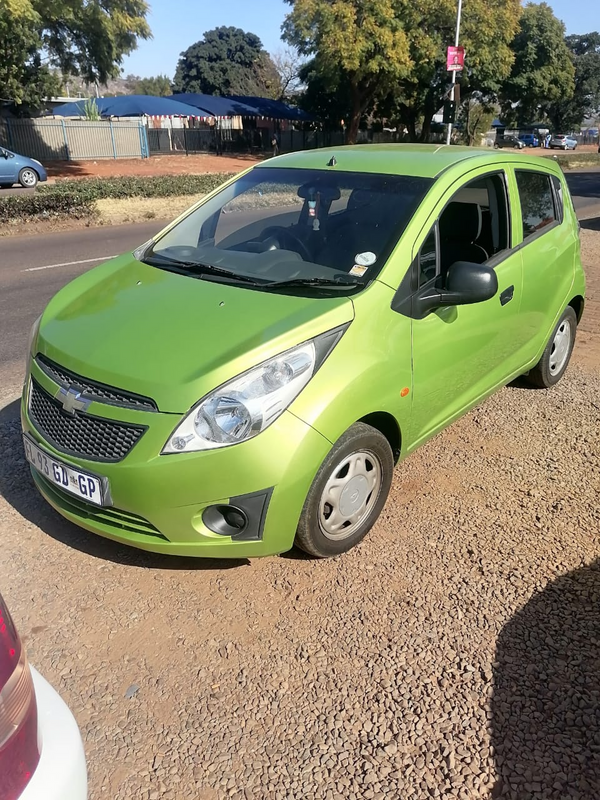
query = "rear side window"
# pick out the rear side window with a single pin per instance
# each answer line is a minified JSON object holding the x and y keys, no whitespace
{"x":537,"y":202}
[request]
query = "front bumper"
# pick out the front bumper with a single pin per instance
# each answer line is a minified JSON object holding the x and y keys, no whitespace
{"x":158,"y":501}
{"x":61,"y":773}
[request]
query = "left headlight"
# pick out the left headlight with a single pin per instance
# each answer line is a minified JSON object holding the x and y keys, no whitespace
{"x":33,"y":334}
{"x":242,"y":408}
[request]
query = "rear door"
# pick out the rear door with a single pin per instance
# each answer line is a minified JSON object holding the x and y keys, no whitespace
{"x":548,"y":245}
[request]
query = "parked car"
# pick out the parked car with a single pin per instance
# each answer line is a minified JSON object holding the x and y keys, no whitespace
{"x":561,"y":142}
{"x":250,"y":376}
{"x":20,"y":169}
{"x":529,"y":139}
{"x":509,"y":141}
{"x":41,"y":752}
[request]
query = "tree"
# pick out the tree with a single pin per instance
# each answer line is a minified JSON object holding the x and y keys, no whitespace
{"x":393,"y":52}
{"x":569,"y":113}
{"x":360,"y":41}
{"x":159,"y":86}
{"x":288,"y":64}
{"x":327,"y":98}
{"x":24,"y":79}
{"x":226,"y":61}
{"x":76,"y":37}
{"x":475,"y":118}
{"x":542,"y":74}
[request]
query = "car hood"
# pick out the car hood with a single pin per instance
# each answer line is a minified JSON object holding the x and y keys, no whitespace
{"x":173,"y":337}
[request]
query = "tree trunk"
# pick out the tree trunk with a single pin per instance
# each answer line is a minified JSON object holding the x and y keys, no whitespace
{"x":355,"y":115}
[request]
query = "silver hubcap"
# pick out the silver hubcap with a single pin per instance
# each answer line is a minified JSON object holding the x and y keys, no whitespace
{"x":28,"y":177}
{"x":560,"y":347}
{"x":349,"y":494}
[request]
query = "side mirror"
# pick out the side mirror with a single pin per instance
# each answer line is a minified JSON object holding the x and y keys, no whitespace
{"x":3,"y":153}
{"x":468,"y":283}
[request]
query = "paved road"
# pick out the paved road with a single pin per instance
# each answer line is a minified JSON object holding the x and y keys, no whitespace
{"x":585,"y":187}
{"x":34,"y":268}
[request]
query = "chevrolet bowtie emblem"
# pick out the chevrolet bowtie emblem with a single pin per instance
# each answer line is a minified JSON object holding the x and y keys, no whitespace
{"x":72,"y":400}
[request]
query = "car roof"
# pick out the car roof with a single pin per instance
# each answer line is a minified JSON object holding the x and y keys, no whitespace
{"x":413,"y":160}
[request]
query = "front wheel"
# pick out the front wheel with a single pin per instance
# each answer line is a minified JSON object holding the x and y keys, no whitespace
{"x":555,"y":358}
{"x":347,"y":494}
{"x":28,"y":178}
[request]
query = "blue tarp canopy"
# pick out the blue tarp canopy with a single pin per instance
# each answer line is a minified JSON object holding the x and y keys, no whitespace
{"x":242,"y":106}
{"x":217,"y":106}
{"x":133,"y":105}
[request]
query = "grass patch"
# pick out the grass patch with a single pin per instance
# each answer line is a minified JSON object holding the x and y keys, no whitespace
{"x":141,"y":209}
{"x":574,"y":160}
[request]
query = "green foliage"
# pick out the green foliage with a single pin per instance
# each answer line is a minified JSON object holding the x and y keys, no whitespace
{"x":90,"y":109}
{"x":23,"y":76}
{"x":391,"y":54}
{"x":43,"y":206}
{"x":227,"y":61}
{"x":151,"y":186}
{"x":77,"y":37}
{"x":542,"y":73}
{"x":76,"y":198}
{"x":475,"y":118}
{"x":159,"y":86}
{"x":360,"y":44}
{"x":567,"y":114}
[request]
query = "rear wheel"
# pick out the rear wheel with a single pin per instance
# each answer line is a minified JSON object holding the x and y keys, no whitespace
{"x":28,"y":178}
{"x":555,"y":358}
{"x":347,"y":494}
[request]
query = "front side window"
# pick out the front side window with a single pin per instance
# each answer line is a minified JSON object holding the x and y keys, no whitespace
{"x":537,"y":202}
{"x":276,"y":225}
{"x":472,"y":227}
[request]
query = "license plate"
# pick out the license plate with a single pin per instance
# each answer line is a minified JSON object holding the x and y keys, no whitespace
{"x":74,"y":481}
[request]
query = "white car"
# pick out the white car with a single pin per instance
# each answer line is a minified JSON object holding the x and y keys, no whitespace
{"x":41,"y":752}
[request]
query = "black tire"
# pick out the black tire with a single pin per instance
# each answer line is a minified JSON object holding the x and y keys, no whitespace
{"x":5,"y":185}
{"x":496,"y":146}
{"x":28,"y":178}
{"x":542,"y":376}
{"x":359,"y":438}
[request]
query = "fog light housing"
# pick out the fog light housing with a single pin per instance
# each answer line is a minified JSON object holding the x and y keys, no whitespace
{"x":225,"y":520}
{"x":242,"y":518}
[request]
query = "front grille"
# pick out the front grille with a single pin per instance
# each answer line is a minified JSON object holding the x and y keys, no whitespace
{"x":83,"y":435}
{"x":109,"y":517}
{"x":93,"y":390}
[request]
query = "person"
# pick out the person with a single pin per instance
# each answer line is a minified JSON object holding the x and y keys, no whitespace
{"x":275,"y":143}
{"x":547,"y":141}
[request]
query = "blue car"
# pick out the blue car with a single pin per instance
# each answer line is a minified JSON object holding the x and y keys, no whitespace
{"x":19,"y":169}
{"x":529,"y":139}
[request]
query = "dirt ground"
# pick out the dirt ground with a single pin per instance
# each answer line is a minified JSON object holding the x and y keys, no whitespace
{"x":157,"y":165}
{"x":454,"y":654}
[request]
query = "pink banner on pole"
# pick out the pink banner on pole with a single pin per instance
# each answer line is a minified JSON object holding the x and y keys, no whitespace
{"x":455,"y":59}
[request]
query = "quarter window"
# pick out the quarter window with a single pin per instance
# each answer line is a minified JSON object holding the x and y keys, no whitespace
{"x":537,"y":202}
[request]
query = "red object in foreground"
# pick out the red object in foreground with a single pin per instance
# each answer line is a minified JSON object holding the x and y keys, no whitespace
{"x":19,"y":751}
{"x":455,"y":59}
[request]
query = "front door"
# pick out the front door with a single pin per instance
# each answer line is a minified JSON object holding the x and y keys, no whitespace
{"x":6,"y":167}
{"x":462,"y":353}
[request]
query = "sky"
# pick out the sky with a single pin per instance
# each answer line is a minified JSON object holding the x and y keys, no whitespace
{"x":176,"y":24}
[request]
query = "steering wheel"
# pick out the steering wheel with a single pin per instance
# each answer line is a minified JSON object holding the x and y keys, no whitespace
{"x":285,"y":236}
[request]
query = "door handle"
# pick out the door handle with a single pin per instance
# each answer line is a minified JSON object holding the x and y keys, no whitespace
{"x":507,"y":295}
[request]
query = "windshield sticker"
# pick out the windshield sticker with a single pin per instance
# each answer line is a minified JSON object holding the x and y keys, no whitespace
{"x":358,"y":269}
{"x":365,"y":259}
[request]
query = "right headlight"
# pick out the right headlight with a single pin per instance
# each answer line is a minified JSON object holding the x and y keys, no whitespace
{"x":243,"y":407}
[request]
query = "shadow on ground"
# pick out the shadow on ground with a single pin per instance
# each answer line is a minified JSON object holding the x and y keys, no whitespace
{"x":546,"y":701}
{"x":592,"y":224}
{"x":18,"y":489}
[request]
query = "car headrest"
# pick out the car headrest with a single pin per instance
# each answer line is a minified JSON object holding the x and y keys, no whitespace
{"x":461,"y":222}
{"x":359,"y":198}
{"x":328,"y":193}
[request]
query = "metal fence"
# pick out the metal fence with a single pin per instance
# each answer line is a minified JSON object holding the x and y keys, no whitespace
{"x":72,"y":140}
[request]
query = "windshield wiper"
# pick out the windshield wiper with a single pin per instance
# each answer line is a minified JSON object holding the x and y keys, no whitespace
{"x":198,"y":268}
{"x":332,"y":283}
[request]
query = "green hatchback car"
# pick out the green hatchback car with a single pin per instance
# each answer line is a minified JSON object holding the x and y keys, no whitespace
{"x":248,"y":379}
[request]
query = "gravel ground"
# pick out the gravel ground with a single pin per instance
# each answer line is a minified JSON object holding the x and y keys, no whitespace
{"x":455,"y":653}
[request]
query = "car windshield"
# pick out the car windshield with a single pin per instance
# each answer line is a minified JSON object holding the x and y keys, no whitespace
{"x":292,"y":228}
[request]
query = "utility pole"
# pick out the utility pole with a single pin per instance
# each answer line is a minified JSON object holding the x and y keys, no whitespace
{"x":456,"y":40}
